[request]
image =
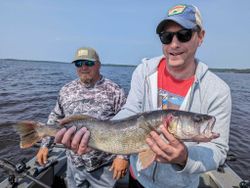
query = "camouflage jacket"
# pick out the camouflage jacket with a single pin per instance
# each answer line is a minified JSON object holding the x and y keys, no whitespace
{"x":102,"y":100}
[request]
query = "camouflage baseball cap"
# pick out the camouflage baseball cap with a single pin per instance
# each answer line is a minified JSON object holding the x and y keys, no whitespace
{"x":86,"y":53}
{"x":188,"y":16}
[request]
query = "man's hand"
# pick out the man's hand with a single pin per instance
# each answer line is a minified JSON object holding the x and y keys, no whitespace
{"x":42,"y":156}
{"x":172,"y":152}
{"x":119,"y":166}
{"x":74,"y":140}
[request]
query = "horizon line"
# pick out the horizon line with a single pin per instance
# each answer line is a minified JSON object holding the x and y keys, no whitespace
{"x":243,"y":70}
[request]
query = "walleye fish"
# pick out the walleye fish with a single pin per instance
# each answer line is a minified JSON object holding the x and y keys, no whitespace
{"x":128,"y":135}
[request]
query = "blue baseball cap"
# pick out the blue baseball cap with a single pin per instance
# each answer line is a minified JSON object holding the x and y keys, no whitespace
{"x":188,"y":16}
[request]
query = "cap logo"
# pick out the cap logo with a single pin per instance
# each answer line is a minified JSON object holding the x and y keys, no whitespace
{"x":176,"y":10}
{"x":82,"y":52}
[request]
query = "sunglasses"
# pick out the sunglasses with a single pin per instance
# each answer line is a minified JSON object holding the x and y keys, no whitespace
{"x":87,"y":63}
{"x":183,"y":35}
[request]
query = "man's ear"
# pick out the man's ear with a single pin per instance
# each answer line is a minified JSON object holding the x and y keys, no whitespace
{"x":201,"y":35}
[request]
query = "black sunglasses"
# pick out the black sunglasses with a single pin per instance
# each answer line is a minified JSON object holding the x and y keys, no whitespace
{"x":88,"y":63}
{"x":183,"y":35}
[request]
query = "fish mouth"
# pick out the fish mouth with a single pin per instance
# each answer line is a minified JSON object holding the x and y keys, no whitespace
{"x":212,"y":121}
{"x":210,"y":126}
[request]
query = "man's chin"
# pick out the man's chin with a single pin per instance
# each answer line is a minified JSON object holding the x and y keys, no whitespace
{"x":87,"y":81}
{"x":175,"y":63}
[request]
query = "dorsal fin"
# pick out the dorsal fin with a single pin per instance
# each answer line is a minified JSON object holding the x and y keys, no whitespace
{"x":73,"y":118}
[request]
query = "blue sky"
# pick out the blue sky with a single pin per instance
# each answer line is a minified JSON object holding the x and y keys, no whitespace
{"x":122,"y":31}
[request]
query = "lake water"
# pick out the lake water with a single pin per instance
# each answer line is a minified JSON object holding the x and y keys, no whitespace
{"x":28,"y":90}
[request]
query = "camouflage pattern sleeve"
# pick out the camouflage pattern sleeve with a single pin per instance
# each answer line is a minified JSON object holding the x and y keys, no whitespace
{"x":120,"y":100}
{"x":47,"y":142}
{"x":57,"y":113}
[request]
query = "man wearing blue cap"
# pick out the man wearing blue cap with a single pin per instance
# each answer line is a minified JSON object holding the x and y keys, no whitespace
{"x":177,"y":80}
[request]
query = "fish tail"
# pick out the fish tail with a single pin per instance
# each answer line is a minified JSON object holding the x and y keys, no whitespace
{"x":29,"y":133}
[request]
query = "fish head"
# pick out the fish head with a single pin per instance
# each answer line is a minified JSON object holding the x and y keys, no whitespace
{"x":185,"y":125}
{"x":203,"y":122}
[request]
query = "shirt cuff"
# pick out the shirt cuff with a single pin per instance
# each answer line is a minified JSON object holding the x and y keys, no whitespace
{"x":125,"y":157}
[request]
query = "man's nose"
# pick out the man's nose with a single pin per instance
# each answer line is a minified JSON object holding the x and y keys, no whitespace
{"x":175,"y":42}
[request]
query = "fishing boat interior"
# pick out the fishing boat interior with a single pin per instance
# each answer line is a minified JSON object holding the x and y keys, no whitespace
{"x":30,"y":175}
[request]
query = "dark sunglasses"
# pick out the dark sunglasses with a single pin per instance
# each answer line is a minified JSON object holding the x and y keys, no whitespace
{"x":183,"y":35}
{"x":88,"y":63}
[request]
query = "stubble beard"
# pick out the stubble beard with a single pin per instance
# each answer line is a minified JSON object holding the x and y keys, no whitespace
{"x":86,"y":80}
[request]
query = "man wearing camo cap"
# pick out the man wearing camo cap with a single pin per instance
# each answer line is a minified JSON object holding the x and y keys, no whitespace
{"x":94,"y":95}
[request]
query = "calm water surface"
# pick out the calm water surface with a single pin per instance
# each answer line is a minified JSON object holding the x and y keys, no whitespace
{"x":28,"y":90}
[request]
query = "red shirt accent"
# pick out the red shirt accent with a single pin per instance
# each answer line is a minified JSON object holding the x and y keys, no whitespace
{"x":131,"y":172}
{"x":168,"y":83}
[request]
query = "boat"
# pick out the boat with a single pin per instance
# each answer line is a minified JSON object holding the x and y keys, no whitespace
{"x":31,"y":175}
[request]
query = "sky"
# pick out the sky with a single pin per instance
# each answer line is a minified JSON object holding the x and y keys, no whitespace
{"x":122,"y":31}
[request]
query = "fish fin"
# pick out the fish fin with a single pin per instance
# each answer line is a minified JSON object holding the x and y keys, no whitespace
{"x":72,"y":118}
{"x":145,"y":159}
{"x":29,"y":133}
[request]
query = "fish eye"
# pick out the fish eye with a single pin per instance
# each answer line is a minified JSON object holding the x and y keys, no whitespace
{"x":197,"y":118}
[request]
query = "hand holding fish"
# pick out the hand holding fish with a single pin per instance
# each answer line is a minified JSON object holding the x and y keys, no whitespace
{"x":172,"y":152}
{"x":76,"y":141}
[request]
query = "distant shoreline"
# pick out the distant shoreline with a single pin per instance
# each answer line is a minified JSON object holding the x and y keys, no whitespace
{"x":23,"y":60}
{"x":247,"y":70}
